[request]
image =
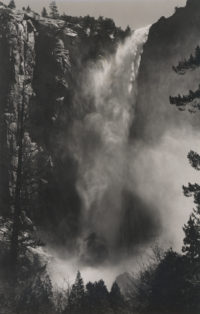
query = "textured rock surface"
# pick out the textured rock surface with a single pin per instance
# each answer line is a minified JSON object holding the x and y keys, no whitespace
{"x":170,"y":40}
{"x":36,"y":68}
{"x":45,"y":61}
{"x":42,"y":62}
{"x":17,"y":42}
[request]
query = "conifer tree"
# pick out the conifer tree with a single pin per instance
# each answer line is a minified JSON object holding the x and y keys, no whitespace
{"x":12,"y":4}
{"x":18,"y":187}
{"x":117,"y":301}
{"x":25,"y":177}
{"x":36,"y":290}
{"x":44,"y":12}
{"x":97,"y":298}
{"x":28,"y":9}
{"x":76,"y":298}
{"x":192,"y":229}
{"x":54,"y":10}
{"x":192,"y":100}
{"x":192,"y":237}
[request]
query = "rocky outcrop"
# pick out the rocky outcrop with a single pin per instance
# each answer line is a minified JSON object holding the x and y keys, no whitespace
{"x":125,"y":282}
{"x":43,"y":64}
{"x":170,"y":41}
{"x":17,"y":42}
{"x":36,"y":72}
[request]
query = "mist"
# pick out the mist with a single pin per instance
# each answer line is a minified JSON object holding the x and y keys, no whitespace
{"x":100,"y":143}
{"x":130,"y":188}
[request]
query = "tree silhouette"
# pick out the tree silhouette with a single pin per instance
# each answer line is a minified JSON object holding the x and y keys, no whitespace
{"x":54,"y":10}
{"x":117,"y":301}
{"x":36,"y":289}
{"x":44,"y":12}
{"x":12,"y":5}
{"x":18,"y":187}
{"x":76,"y":298}
{"x":191,"y":246}
{"x":28,"y":9}
{"x":190,"y":100}
{"x":97,"y":298}
{"x":192,"y":229}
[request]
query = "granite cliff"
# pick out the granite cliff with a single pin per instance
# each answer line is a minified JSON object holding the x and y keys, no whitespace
{"x":43,"y":65}
{"x":170,"y":40}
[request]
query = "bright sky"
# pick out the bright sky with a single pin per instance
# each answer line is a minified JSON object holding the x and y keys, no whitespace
{"x":136,"y":13}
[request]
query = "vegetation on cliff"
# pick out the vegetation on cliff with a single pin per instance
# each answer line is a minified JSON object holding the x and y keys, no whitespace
{"x":43,"y":61}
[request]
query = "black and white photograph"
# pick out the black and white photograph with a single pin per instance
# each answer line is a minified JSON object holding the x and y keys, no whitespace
{"x":99,"y":157}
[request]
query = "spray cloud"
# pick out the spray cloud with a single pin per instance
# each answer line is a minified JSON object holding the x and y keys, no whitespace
{"x":100,"y":143}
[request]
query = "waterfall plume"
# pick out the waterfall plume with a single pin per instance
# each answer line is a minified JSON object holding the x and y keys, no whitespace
{"x":100,"y":144}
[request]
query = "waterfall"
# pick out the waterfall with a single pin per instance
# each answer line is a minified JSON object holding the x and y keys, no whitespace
{"x":101,"y":145}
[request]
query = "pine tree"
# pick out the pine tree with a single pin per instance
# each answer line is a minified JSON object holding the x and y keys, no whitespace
{"x":28,"y":9}
{"x":35,"y":289}
{"x":192,"y":229}
{"x":18,"y":186}
{"x":190,"y":100}
{"x":97,"y":297}
{"x":191,"y":245}
{"x":12,"y":4}
{"x":44,"y":12}
{"x":54,"y":10}
{"x":128,"y":31}
{"x":117,"y":300}
{"x":192,"y":237}
{"x":25,"y":176}
{"x":76,"y":298}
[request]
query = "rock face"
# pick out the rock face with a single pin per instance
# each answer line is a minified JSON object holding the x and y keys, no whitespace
{"x":125,"y":283}
{"x":170,"y":41}
{"x":35,"y":69}
{"x":17,"y":42}
{"x":42,"y":64}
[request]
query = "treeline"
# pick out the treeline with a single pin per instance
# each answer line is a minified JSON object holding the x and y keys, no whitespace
{"x":33,"y":292}
{"x":187,"y":64}
{"x":93,"y":24}
{"x":100,"y":35}
{"x":169,"y":283}
{"x":94,"y":298}
{"x":192,"y":98}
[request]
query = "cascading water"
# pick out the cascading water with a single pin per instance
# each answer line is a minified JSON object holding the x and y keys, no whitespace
{"x":101,"y":145}
{"x":116,"y":177}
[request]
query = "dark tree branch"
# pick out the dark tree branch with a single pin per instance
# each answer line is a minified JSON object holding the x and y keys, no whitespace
{"x":190,"y":64}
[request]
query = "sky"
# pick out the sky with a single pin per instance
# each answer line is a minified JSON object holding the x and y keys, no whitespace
{"x":136,"y":13}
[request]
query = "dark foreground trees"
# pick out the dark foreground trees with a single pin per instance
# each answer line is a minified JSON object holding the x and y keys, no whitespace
{"x":191,"y":101}
{"x":94,"y":298}
{"x":170,"y":286}
{"x":191,"y":247}
{"x":173,"y":285}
